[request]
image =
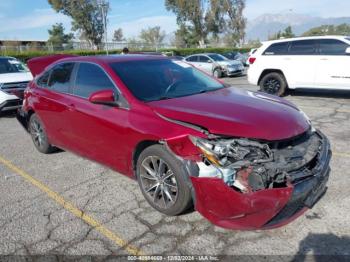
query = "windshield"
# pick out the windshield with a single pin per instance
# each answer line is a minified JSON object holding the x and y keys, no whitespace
{"x":151,"y":80}
{"x":11,"y":65}
{"x":217,"y":57}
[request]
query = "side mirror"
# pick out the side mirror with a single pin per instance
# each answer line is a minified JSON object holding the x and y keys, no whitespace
{"x":347,"y":51}
{"x":104,"y":97}
{"x":209,"y":61}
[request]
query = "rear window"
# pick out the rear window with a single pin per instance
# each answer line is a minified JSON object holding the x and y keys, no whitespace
{"x":277,"y":49}
{"x":332,"y":47}
{"x":302,"y":47}
{"x":60,"y":77}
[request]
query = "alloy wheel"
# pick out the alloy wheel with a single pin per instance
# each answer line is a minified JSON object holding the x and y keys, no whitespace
{"x":158,"y":182}
{"x":272,"y":85}
{"x":37,"y":133}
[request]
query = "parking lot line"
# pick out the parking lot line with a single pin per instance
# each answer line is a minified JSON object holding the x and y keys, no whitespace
{"x":72,"y":209}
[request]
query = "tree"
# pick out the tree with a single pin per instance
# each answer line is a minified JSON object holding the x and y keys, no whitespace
{"x":198,"y":13}
{"x":118,"y":35}
{"x":58,"y":37}
{"x":185,"y":37}
{"x":209,"y":17}
{"x":342,"y":29}
{"x":286,"y":33}
{"x":87,"y":16}
{"x":236,"y":23}
{"x":152,"y":36}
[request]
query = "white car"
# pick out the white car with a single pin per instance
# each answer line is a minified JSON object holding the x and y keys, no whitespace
{"x":215,"y":64}
{"x":304,"y":62}
{"x":14,"y":77}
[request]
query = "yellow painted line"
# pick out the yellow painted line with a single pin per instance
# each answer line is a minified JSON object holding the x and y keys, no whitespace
{"x":341,"y":154}
{"x":74,"y":210}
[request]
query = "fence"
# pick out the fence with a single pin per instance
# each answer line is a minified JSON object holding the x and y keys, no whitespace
{"x":48,"y":47}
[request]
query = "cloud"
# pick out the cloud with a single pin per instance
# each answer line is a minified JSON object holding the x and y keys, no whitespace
{"x":40,"y":18}
{"x":133,"y":28}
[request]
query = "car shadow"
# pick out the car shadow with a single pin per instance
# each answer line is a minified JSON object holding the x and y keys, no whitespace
{"x":8,"y":114}
{"x":321,"y":93}
{"x":323,"y":247}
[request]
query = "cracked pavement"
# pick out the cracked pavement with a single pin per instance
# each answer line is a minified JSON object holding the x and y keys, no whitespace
{"x":32,"y":223}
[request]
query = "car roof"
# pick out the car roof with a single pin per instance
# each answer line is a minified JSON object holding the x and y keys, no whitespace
{"x":114,"y":58}
{"x":306,"y":38}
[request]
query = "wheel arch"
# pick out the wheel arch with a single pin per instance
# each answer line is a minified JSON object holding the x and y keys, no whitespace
{"x":138,"y":150}
{"x":268,"y":71}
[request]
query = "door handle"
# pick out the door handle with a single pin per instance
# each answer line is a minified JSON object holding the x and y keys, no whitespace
{"x":71,"y":107}
{"x":324,"y":59}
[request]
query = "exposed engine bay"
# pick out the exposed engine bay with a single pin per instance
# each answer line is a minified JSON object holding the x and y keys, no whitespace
{"x":248,"y":165}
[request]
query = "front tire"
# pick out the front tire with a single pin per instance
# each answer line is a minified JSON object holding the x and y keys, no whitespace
{"x":273,"y":83}
{"x":162,"y":181}
{"x":217,"y":73}
{"x":39,"y":136}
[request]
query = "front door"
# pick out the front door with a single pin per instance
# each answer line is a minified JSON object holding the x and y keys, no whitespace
{"x":333,"y":67}
{"x":99,"y":130}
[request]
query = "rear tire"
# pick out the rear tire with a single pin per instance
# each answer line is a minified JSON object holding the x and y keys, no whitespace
{"x":38,"y":133}
{"x":162,"y":181}
{"x":273,"y":83}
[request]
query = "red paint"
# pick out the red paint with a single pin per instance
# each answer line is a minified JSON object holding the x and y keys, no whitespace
{"x":228,"y":208}
{"x":110,"y":135}
{"x":38,"y":64}
{"x":101,"y":97}
{"x":237,"y":113}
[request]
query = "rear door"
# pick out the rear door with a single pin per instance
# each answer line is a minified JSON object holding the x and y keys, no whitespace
{"x":52,"y":102}
{"x":333,"y":67}
{"x":99,"y":131}
{"x":193,"y":60}
{"x":205,"y":64}
{"x":300,"y":63}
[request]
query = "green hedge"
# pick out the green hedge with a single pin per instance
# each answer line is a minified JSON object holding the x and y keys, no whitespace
{"x":24,"y":56}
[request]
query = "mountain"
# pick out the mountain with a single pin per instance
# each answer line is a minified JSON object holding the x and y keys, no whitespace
{"x":269,"y":24}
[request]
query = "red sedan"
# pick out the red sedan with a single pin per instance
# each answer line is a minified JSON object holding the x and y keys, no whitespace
{"x":245,"y":160}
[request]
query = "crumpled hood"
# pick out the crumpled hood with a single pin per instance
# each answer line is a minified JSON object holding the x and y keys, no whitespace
{"x":15,"y":77}
{"x":237,"y":113}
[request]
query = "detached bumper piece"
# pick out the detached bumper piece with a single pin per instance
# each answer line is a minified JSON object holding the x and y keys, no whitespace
{"x":267,"y":208}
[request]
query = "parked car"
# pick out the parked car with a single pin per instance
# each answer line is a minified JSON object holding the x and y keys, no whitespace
{"x":215,"y":64}
{"x":235,"y":55}
{"x":245,"y":160}
{"x":14,"y":77}
{"x":305,"y":62}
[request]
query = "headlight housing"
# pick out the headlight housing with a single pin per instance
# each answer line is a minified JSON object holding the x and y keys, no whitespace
{"x":233,"y":153}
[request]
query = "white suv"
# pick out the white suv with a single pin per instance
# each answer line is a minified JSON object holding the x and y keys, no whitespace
{"x":14,"y":77}
{"x":305,"y":62}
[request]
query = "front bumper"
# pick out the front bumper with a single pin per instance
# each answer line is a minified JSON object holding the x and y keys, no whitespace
{"x":11,"y":104}
{"x":268,"y":208}
{"x":234,"y":72}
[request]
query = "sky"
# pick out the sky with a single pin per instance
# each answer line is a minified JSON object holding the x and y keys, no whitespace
{"x":30,"y":19}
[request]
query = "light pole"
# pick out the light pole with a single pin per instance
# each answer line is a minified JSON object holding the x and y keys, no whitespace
{"x":103,"y":6}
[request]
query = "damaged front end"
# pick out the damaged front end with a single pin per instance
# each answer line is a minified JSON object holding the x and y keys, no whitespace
{"x":249,"y":184}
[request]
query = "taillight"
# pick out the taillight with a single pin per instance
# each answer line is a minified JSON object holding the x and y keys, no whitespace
{"x":252,"y":60}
